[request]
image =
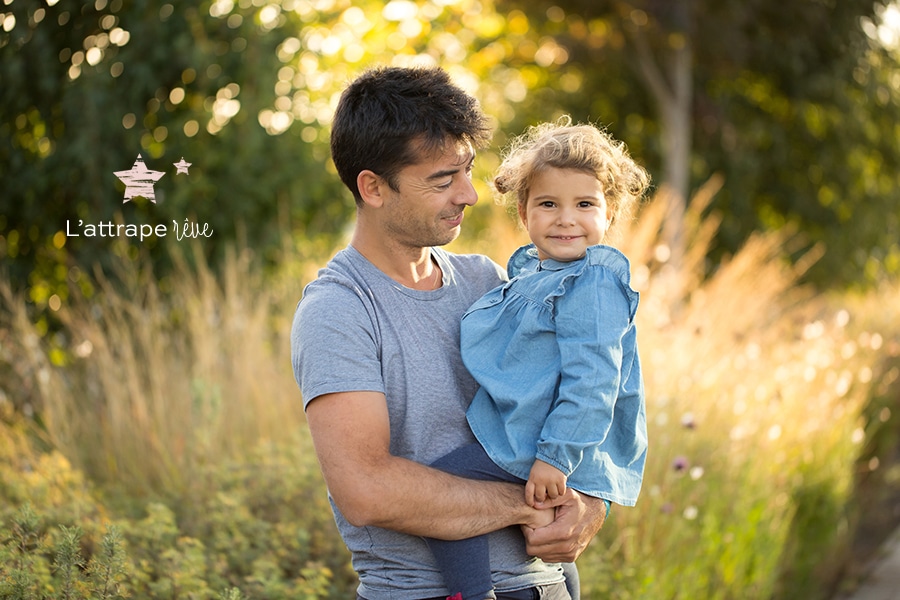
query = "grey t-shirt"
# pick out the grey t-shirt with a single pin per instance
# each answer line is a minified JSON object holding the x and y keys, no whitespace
{"x":356,"y":329}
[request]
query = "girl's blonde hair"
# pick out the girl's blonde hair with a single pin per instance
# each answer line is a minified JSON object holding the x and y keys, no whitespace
{"x":583,"y":148}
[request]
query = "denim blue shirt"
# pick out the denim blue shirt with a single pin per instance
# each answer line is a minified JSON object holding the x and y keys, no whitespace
{"x":555,"y":353}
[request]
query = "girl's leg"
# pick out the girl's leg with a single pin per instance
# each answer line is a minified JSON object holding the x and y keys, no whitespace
{"x":573,"y":583}
{"x":465,"y":564}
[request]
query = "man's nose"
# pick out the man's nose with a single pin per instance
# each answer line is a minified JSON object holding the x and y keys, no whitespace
{"x":467,"y":194}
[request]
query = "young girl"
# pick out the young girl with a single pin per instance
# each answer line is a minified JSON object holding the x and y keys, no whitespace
{"x":561,"y":401}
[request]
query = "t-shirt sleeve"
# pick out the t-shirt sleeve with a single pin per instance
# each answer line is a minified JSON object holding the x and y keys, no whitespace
{"x":334,"y":342}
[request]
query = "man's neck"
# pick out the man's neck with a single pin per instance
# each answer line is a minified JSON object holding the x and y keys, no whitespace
{"x":407,"y":265}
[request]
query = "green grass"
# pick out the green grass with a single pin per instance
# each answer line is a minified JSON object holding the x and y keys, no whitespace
{"x":165,"y":415}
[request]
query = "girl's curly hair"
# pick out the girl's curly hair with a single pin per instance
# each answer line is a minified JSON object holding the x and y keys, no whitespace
{"x":585,"y":148}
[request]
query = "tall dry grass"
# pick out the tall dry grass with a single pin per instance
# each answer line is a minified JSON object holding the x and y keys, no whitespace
{"x":164,"y":378}
{"x":755,"y":389}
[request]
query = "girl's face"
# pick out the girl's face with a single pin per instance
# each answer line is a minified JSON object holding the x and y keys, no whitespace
{"x":565,"y":213}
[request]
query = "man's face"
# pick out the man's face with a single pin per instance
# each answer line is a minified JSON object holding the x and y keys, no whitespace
{"x":427,"y":208}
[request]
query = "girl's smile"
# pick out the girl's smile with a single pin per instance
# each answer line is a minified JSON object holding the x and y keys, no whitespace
{"x":565,"y":213}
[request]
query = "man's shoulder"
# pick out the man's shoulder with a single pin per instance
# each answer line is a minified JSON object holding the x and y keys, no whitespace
{"x":345,"y":271}
{"x":338,"y":286}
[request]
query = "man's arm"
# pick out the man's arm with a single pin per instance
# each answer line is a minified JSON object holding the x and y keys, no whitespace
{"x":351,"y":434}
{"x":578,"y":520}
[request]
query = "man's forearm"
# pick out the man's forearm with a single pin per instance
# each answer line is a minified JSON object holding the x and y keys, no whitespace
{"x":424,"y":501}
{"x":370,"y":486}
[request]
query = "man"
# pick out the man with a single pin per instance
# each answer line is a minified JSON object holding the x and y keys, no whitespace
{"x":375,"y":347}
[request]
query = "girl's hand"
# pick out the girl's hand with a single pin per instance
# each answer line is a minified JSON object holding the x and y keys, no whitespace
{"x":578,"y":519}
{"x":545,"y":484}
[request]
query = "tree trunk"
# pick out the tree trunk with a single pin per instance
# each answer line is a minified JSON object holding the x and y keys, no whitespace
{"x":671,"y":85}
{"x":676,"y":145}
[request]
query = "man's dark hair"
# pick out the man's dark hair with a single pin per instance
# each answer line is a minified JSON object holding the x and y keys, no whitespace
{"x":389,"y":115}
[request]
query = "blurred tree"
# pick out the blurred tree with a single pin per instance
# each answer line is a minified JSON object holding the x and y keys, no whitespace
{"x":795,"y":103}
{"x":778,"y":98}
{"x":89,"y":86}
{"x":243,"y":91}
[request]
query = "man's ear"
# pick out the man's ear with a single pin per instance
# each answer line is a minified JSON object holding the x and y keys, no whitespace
{"x":371,"y":188}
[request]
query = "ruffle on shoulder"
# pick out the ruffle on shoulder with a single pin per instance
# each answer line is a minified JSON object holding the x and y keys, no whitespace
{"x":599,"y":260}
{"x":526,"y":257}
{"x":612,"y":259}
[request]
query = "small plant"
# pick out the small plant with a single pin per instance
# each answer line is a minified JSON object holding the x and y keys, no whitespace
{"x":69,"y":564}
{"x":27,"y":570}
{"x":21,"y":546}
{"x":107,"y":569}
{"x":231,"y":594}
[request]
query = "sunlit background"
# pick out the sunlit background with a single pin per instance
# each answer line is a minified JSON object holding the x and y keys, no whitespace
{"x":151,"y":435}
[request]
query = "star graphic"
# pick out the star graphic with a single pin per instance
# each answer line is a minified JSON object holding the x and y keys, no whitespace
{"x":182,"y":167}
{"x":139,"y":181}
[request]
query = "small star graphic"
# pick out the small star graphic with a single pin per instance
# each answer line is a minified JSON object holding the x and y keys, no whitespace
{"x":182,"y":167}
{"x":139,"y":181}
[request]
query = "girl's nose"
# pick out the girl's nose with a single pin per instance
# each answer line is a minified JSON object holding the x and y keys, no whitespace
{"x":565,"y":218}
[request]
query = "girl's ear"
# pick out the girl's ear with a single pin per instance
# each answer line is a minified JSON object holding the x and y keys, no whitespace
{"x":523,"y":215}
{"x":611,"y":213}
{"x":370,"y":188}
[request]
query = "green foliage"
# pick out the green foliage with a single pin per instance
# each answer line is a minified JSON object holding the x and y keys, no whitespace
{"x":28,"y":571}
{"x":818,"y":525}
{"x":23,"y":540}
{"x":108,"y":569}
{"x":118,"y":79}
{"x":258,"y":527}
{"x":68,"y":563}
{"x":266,"y":533}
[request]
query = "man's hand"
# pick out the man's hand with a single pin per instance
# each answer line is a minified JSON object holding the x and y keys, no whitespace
{"x":545,"y":482}
{"x":578,"y":519}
